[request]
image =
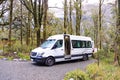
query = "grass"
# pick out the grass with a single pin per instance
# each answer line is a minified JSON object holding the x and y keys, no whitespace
{"x":24,"y":56}
{"x":1,"y":57}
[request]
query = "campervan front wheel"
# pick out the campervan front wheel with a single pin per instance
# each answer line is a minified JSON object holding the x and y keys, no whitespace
{"x":49,"y":61}
{"x":85,"y":57}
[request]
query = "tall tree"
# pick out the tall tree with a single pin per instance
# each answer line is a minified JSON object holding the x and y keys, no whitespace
{"x":10,"y":20}
{"x":70,"y":17}
{"x":95,"y":24}
{"x":34,"y":6}
{"x":65,"y":16}
{"x":117,"y":37}
{"x":3,"y":10}
{"x":45,"y":18}
{"x":100,"y":23}
{"x":21,"y":26}
{"x":28,"y":33}
{"x":40,"y":13}
{"x":100,"y":27}
{"x":1,"y":1}
{"x":78,"y":7}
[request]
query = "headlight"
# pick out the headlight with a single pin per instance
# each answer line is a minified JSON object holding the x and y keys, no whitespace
{"x":40,"y":54}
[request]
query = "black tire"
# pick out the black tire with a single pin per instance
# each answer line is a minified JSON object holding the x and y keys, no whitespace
{"x":85,"y":57}
{"x":49,"y":61}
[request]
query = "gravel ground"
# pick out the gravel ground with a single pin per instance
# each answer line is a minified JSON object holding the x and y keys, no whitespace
{"x":16,"y":70}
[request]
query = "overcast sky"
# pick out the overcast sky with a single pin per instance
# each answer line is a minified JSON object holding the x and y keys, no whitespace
{"x":59,"y":3}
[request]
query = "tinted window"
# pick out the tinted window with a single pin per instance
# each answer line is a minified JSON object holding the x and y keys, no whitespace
{"x":58,"y":44}
{"x":81,"y":44}
{"x":76,"y":44}
{"x":88,"y":44}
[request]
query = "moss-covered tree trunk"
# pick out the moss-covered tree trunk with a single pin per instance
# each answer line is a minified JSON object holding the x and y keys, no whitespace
{"x":95,"y":22}
{"x":45,"y":18}
{"x":28,"y":29}
{"x":78,"y":6}
{"x":65,"y":16}
{"x":10,"y":21}
{"x":21,"y":31}
{"x":117,"y":37}
{"x":34,"y":7}
{"x":1,"y":1}
{"x":70,"y":17}
{"x":100,"y":24}
{"x":40,"y":15}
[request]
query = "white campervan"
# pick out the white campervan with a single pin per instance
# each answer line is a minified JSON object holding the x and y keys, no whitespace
{"x":62,"y":48}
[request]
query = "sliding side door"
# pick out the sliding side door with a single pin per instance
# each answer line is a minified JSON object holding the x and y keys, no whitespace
{"x":67,"y":46}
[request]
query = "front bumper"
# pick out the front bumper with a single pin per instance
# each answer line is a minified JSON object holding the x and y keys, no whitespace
{"x":38,"y":59}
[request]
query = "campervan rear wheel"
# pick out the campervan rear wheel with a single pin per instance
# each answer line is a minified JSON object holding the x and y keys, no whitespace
{"x":49,"y":61}
{"x":85,"y":57}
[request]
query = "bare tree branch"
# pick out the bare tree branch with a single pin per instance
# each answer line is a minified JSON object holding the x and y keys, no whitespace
{"x":28,"y":5}
{"x":4,"y":24}
{"x":1,"y":1}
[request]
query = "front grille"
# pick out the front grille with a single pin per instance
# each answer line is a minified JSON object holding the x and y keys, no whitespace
{"x":33,"y":53}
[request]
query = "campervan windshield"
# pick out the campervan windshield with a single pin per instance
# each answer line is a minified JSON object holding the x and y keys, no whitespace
{"x":48,"y":43}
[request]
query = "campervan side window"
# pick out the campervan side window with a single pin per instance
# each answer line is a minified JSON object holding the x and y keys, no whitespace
{"x":88,"y":44}
{"x":76,"y":44}
{"x":58,"y":44}
{"x":81,"y":44}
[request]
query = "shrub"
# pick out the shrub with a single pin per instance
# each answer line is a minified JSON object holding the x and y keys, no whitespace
{"x":1,"y":57}
{"x":103,"y":72}
{"x":94,"y":71}
{"x":24,"y":56}
{"x":76,"y":75}
{"x":17,"y":47}
{"x":105,"y":56}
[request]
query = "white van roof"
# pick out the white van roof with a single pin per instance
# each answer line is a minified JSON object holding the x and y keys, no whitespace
{"x":73,"y":37}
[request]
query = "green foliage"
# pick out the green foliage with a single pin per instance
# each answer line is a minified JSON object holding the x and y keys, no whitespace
{"x":17,"y":51}
{"x":1,"y":57}
{"x":76,"y":75}
{"x":1,"y":46}
{"x":103,"y":72}
{"x":104,"y":55}
{"x":94,"y":71}
{"x":17,"y":47}
{"x":10,"y":58}
{"x":24,"y":56}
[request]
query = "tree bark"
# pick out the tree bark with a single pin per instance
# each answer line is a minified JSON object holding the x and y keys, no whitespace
{"x":40,"y":15}
{"x":70,"y":15}
{"x":65,"y":16}
{"x":10,"y":21}
{"x":117,"y":37}
{"x":45,"y":18}
{"x":37,"y":29}
{"x":21,"y":31}
{"x":78,"y":16}
{"x":100,"y":28}
{"x":33,"y":6}
{"x":1,"y":1}
{"x":28,"y":29}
